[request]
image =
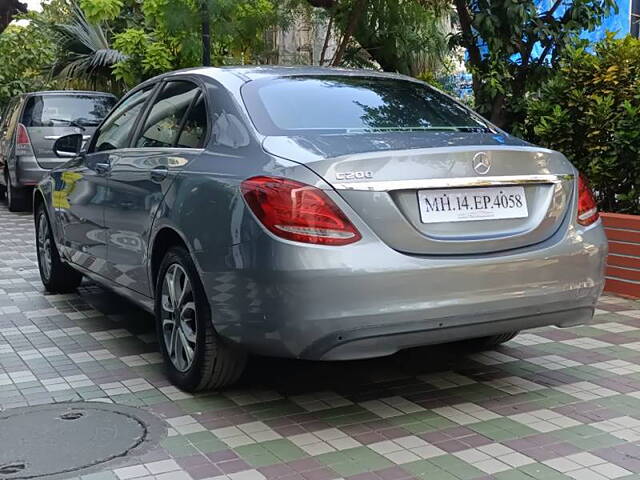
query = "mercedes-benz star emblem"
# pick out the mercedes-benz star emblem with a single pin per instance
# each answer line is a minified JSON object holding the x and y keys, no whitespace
{"x":481,"y":163}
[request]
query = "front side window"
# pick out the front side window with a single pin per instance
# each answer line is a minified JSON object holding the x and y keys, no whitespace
{"x":165,"y":119}
{"x":117,"y":128}
{"x":66,"y":109}
{"x":345,"y":104}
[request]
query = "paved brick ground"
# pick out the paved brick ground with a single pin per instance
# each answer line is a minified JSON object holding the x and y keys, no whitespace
{"x":552,"y":404}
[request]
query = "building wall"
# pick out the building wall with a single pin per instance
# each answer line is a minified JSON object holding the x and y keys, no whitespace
{"x":301,"y":43}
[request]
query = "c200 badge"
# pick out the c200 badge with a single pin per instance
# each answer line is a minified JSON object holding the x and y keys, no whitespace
{"x":359,"y":175}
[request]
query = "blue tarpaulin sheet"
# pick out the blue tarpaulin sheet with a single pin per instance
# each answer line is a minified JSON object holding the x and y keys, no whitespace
{"x":616,"y":22}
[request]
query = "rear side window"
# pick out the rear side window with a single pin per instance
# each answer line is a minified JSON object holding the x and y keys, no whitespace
{"x":12,"y":119}
{"x":165,"y":119}
{"x":6,"y":116}
{"x":194,"y":130}
{"x":65,"y":110}
{"x":344,"y":104}
{"x":5,"y":112}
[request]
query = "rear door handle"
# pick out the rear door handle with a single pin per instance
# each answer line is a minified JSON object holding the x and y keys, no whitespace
{"x":158,"y":174}
{"x":103,"y":168}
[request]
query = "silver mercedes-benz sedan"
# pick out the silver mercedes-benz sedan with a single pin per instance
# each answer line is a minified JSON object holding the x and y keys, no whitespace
{"x":319,"y":214}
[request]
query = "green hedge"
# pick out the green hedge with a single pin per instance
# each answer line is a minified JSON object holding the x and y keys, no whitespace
{"x":590,"y":111}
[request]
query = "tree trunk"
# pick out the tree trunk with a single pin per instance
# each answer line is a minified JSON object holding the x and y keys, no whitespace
{"x":8,"y":10}
{"x":327,"y":38}
{"x":206,"y":34}
{"x":358,"y":9}
{"x":469,"y":41}
{"x":498,"y":114}
{"x":387,"y":58}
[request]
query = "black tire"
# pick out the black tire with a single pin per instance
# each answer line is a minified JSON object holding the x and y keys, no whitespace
{"x":18,"y":199}
{"x":490,"y":342}
{"x":56,"y":276}
{"x":3,"y":188}
{"x":199,"y":360}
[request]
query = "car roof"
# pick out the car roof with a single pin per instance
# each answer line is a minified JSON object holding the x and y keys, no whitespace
{"x":233,"y":77}
{"x":249,"y":72}
{"x":68,"y":92}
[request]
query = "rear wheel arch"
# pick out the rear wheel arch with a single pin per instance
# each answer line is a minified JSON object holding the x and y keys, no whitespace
{"x":56,"y":276}
{"x":166,"y":238}
{"x":218,"y":362}
{"x":38,"y":199}
{"x":214,"y":362}
{"x":6,"y":175}
{"x":11,"y":175}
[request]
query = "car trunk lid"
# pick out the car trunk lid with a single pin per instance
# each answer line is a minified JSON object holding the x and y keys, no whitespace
{"x":50,"y":116}
{"x":388,"y":188}
{"x":43,"y":138}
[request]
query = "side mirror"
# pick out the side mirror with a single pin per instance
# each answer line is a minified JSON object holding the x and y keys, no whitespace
{"x":68,"y":146}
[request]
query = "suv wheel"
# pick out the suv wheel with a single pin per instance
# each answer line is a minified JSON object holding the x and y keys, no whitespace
{"x":17,"y":198}
{"x":195,"y":356}
{"x":56,"y":276}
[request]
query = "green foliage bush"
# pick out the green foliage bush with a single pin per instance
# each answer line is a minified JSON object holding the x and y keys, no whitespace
{"x":168,"y":37}
{"x":101,"y":10}
{"x":25,"y":51}
{"x":590,"y":111}
{"x":145,"y":56}
{"x":115,"y":44}
{"x":512,"y":46}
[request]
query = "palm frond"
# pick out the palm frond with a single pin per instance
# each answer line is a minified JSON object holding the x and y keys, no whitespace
{"x":106,"y":57}
{"x":85,"y":55}
{"x":79,"y":31}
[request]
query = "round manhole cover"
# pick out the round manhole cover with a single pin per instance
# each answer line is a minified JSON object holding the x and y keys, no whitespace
{"x":62,"y":438}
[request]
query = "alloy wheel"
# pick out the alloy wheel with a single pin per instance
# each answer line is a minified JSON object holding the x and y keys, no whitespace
{"x":44,"y":246}
{"x":179,"y":327}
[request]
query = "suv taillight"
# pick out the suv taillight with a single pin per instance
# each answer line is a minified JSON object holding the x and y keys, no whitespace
{"x":23,"y":142}
{"x":587,"y":206}
{"x":299,"y":212}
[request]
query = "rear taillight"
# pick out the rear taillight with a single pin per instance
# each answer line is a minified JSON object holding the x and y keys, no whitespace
{"x":298,"y":212}
{"x":23,"y":143}
{"x":587,"y":206}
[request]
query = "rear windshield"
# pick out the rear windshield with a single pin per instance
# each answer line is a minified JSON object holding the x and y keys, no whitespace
{"x":65,"y":110}
{"x":344,"y":104}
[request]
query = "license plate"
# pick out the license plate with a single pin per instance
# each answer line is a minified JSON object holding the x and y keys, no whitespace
{"x":469,"y":204}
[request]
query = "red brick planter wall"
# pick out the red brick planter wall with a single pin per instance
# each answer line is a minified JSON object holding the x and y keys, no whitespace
{"x":623,"y":263}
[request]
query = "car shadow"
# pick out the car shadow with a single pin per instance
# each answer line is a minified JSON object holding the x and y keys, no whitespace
{"x":298,"y":377}
{"x":358,"y":379}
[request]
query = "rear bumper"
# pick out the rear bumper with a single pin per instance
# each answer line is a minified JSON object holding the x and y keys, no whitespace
{"x":28,"y":172}
{"x":367,"y":300}
{"x":365,"y":342}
